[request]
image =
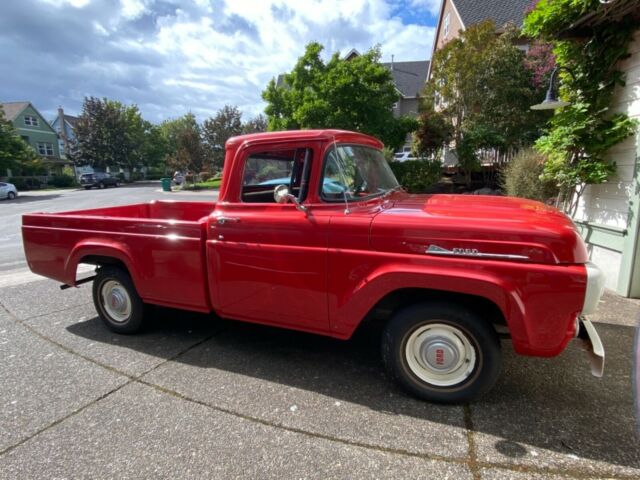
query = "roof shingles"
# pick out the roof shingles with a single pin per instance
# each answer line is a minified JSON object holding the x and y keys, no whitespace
{"x":500,"y":11}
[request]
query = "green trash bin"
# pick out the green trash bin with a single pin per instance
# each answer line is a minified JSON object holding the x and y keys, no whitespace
{"x":166,"y":184}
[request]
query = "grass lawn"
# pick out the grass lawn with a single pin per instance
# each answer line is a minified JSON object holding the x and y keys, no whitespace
{"x":208,"y":185}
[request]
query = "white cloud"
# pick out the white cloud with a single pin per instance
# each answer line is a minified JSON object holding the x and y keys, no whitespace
{"x":432,"y":6}
{"x":174,"y":56}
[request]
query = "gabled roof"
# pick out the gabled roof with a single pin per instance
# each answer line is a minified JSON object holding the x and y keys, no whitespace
{"x":13,"y":109}
{"x":409,"y":77}
{"x":71,"y":120}
{"x":500,"y":11}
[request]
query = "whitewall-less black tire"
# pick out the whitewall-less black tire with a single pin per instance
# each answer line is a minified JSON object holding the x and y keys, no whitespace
{"x":117,"y":301}
{"x":441,"y":352}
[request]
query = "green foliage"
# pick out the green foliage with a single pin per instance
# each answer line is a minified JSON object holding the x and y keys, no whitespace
{"x":185,"y":148}
{"x":109,"y":133}
{"x":63,"y":181}
{"x":256,"y":124}
{"x":580,"y":134}
{"x":15,"y":154}
{"x":480,"y":83}
{"x":26,"y":183}
{"x":522,"y":177}
{"x":217,"y":130}
{"x":355,"y":94}
{"x":434,"y":131}
{"x":417,"y":175}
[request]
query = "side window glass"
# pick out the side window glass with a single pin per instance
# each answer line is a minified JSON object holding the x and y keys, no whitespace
{"x":264,"y":171}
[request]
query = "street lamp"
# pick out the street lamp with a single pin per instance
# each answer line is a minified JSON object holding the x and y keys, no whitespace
{"x":551,"y":102}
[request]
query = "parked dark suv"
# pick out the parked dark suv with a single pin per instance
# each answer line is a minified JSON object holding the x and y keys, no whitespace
{"x":97,"y":179}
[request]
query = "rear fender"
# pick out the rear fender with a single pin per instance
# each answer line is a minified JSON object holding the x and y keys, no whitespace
{"x":99,"y":247}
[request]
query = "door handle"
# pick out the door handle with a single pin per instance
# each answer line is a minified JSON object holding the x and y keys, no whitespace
{"x":223,"y":220}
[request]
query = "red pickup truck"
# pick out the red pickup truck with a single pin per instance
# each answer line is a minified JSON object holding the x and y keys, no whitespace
{"x":312,"y":232}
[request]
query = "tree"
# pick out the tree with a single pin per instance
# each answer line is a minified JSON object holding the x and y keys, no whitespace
{"x":432,"y":134}
{"x":15,"y":153}
{"x":356,"y":94}
{"x":482,"y":87}
{"x":256,"y":125}
{"x":110,"y":134}
{"x":217,"y":130}
{"x":185,"y":150}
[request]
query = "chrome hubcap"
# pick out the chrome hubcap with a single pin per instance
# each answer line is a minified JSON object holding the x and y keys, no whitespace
{"x":440,"y":354}
{"x":116,"y":301}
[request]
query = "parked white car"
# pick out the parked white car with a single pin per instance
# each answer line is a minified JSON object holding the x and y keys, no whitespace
{"x":8,"y":190}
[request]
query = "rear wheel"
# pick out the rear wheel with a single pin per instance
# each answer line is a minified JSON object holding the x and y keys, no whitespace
{"x":87,"y":188}
{"x":11,"y":195}
{"x":117,"y":301}
{"x":441,"y":353}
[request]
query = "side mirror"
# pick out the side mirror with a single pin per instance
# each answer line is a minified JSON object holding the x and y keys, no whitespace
{"x":281,"y":195}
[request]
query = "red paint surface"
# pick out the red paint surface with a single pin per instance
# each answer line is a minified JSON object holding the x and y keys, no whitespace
{"x":323,"y":272}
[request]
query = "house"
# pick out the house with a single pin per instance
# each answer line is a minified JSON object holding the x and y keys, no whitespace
{"x":36,"y":131}
{"x":409,"y":79}
{"x":608,"y":214}
{"x":458,"y":15}
{"x":65,"y":126}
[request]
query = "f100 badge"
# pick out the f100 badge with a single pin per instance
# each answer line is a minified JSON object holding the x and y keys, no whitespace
{"x":472,"y":252}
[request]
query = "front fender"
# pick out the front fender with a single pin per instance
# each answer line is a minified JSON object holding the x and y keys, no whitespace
{"x":349,"y":307}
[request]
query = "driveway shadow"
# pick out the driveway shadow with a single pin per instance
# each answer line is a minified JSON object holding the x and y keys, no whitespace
{"x":551,"y":404}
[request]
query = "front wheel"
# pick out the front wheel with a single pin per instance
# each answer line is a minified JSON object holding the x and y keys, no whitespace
{"x":117,"y":301}
{"x":441,"y":353}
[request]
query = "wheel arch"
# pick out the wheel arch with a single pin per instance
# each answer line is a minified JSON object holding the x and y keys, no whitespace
{"x":378,"y":296}
{"x":96,"y":252}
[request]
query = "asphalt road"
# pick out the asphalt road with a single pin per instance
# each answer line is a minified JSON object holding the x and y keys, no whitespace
{"x":197,"y":397}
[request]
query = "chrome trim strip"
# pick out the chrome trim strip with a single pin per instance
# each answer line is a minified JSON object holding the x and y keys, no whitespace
{"x":472,"y":252}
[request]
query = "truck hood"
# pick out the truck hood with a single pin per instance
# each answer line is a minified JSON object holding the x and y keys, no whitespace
{"x":479,"y":226}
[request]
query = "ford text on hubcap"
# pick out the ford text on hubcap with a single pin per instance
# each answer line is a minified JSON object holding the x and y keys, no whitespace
{"x":440,"y":355}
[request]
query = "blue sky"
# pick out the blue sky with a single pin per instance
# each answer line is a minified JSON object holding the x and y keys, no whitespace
{"x":174,"y":56}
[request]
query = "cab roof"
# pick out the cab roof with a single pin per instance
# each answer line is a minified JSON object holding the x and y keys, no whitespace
{"x":341,"y":136}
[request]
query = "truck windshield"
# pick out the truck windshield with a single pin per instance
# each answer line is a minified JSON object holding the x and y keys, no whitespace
{"x":355,"y":173}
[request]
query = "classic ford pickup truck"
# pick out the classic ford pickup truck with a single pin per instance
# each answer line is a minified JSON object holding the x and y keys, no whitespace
{"x":312,"y":232}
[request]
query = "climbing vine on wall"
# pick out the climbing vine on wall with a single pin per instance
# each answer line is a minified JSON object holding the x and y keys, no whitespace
{"x":579,"y":135}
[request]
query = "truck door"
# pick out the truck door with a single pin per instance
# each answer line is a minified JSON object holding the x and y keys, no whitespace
{"x":268,"y":261}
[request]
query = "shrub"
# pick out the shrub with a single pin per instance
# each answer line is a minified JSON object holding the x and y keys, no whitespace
{"x":26,"y":183}
{"x":522,"y":177}
{"x":417,"y":175}
{"x":62,"y":181}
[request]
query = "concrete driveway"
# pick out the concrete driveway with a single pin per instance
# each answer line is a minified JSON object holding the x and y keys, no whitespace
{"x":197,"y":397}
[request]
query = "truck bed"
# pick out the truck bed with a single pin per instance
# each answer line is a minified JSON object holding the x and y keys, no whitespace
{"x":161,"y":243}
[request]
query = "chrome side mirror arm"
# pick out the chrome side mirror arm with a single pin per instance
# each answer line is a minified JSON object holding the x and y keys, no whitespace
{"x":281,"y":195}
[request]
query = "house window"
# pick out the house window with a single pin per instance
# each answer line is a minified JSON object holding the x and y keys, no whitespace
{"x":446,"y":25}
{"x":31,"y":120}
{"x":45,"y":148}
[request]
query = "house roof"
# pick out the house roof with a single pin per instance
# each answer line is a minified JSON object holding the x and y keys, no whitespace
{"x":13,"y":109}
{"x":71,"y":120}
{"x":500,"y":11}
{"x":409,"y":77}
